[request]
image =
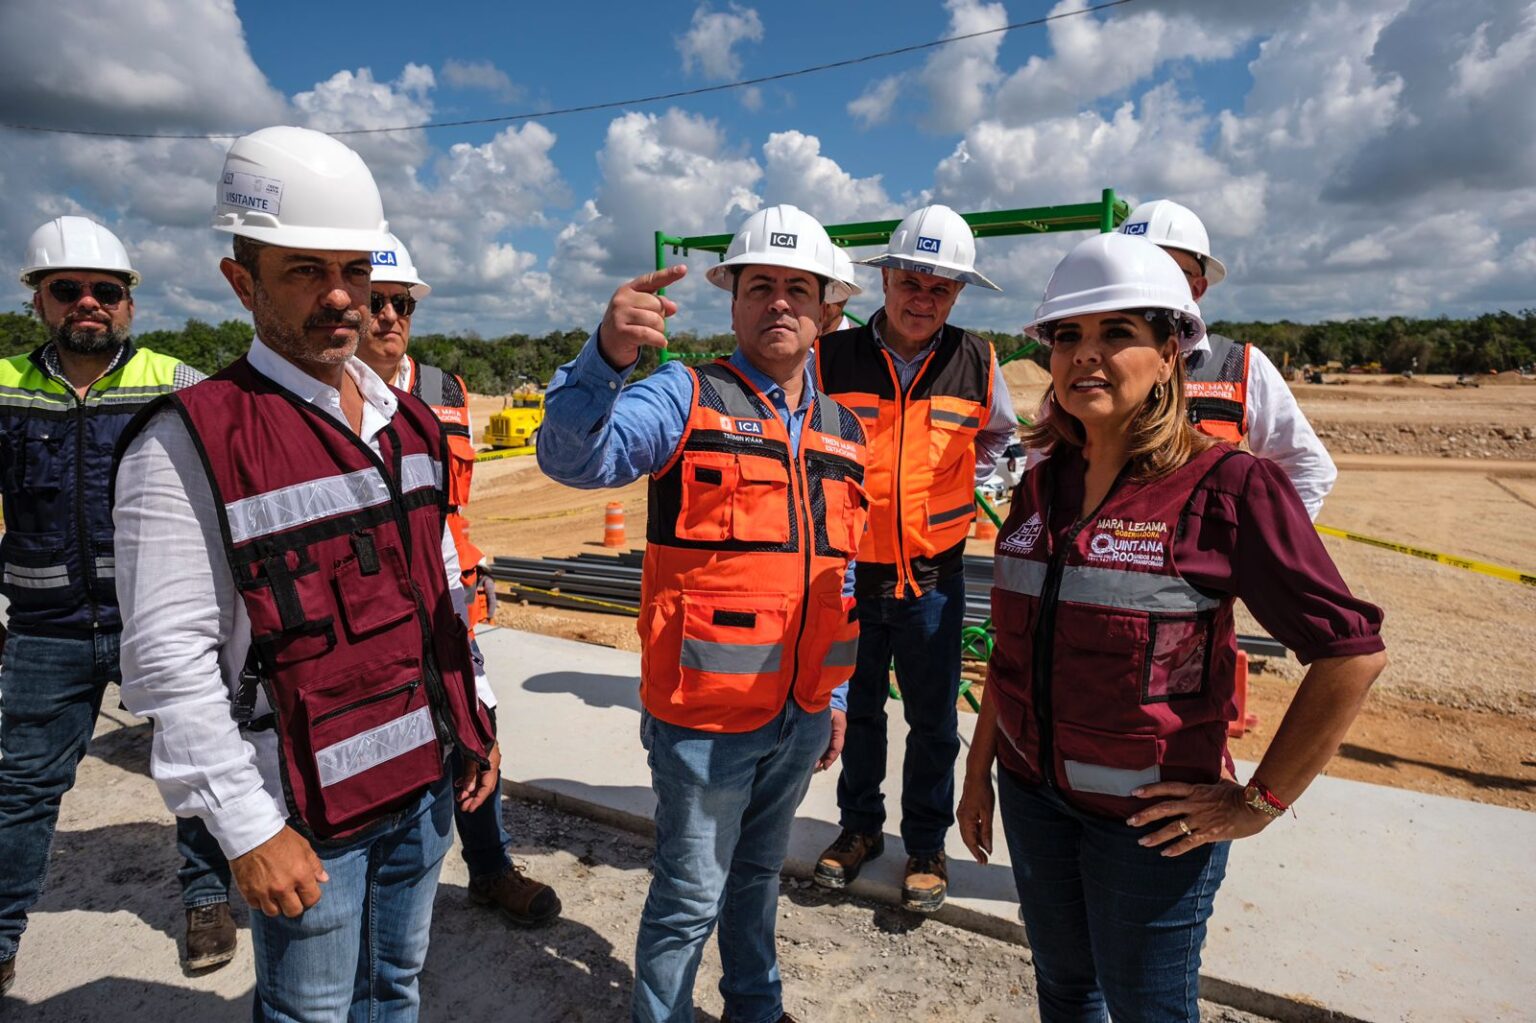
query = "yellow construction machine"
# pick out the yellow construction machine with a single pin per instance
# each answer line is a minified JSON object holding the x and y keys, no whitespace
{"x":517,"y":424}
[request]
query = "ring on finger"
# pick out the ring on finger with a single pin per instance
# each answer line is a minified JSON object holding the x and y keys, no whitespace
{"x":1184,"y":826}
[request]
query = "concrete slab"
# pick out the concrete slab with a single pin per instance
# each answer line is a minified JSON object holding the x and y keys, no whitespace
{"x":1373,"y":904}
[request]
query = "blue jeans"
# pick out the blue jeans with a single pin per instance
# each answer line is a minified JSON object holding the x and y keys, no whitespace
{"x":204,"y":873}
{"x":724,"y":805}
{"x":50,"y":693}
{"x":1113,"y":926}
{"x":922,"y":635}
{"x":358,"y":952}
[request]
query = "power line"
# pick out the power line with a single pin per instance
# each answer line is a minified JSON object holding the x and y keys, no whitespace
{"x":612,"y":104}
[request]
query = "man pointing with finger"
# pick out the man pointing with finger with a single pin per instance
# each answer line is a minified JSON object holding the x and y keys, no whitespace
{"x":746,"y":620}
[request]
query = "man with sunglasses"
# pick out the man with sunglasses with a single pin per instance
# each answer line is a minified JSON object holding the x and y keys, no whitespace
{"x":62,"y":408}
{"x":494,"y":880}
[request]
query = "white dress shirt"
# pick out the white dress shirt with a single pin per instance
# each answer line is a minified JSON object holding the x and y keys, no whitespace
{"x":185,"y":628}
{"x":1279,"y":431}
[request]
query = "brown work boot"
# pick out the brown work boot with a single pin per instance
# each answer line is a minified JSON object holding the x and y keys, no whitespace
{"x":927,"y":883}
{"x":521,"y":899}
{"x":786,"y":1018}
{"x":841,"y":861}
{"x":210,"y":936}
{"x":7,"y":975}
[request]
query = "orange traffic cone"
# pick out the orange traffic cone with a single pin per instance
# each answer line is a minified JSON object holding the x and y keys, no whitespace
{"x":985,"y":529}
{"x":1239,"y":726}
{"x":613,"y":526}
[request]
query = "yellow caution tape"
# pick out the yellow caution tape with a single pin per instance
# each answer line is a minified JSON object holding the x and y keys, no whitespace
{"x":495,"y":453}
{"x":1513,"y":575}
{"x":580,"y":600}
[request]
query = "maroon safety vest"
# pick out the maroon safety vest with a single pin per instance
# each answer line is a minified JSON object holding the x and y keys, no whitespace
{"x":337,"y":554}
{"x":1110,"y":670}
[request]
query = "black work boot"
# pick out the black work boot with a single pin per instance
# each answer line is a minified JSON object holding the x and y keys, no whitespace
{"x":521,"y":899}
{"x":840,"y":863}
{"x":926,"y":884}
{"x":210,"y":936}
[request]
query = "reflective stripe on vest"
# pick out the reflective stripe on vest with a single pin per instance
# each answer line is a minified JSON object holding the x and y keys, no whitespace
{"x":747,"y":546}
{"x":1216,"y":389}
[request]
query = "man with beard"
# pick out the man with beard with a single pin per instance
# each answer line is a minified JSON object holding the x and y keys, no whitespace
{"x":62,"y":409}
{"x":292,"y":602}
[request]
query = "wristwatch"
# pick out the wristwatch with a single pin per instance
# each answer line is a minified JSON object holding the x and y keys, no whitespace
{"x":1258,"y":800}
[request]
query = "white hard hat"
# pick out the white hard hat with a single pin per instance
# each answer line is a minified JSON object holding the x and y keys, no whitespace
{"x":393,"y":265}
{"x":782,"y":235}
{"x":1111,"y":272}
{"x":842,"y":266}
{"x":934,"y":240}
{"x":75,"y":243}
{"x":1167,"y":223}
{"x":300,"y":189}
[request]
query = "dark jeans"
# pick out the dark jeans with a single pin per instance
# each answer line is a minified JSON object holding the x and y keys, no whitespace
{"x":1114,"y":927}
{"x":204,"y":873}
{"x":50,"y":693}
{"x":483,"y":837}
{"x":922,"y":635}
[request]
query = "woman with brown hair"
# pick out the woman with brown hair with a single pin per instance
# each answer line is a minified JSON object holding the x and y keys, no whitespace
{"x":1111,"y":683}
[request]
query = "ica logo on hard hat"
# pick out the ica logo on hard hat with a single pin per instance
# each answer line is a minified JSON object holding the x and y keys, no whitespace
{"x":927,"y":245}
{"x":384,"y":258}
{"x":1138,"y":228}
{"x":784,"y":240}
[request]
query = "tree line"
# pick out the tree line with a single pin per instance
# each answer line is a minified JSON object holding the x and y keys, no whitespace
{"x":1492,"y":342}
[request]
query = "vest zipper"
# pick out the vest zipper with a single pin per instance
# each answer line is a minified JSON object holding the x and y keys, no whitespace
{"x":409,"y":687}
{"x":87,"y":553}
{"x":903,"y":571}
{"x":1045,"y":628}
{"x":807,"y":546}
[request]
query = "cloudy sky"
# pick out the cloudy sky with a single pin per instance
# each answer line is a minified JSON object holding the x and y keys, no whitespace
{"x":1353,"y":157}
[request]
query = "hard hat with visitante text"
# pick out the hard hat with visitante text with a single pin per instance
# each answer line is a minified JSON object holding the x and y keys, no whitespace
{"x":786,"y":236}
{"x":300,"y":189}
{"x":1168,"y":224}
{"x":393,"y":266}
{"x":1114,"y":272}
{"x":75,"y":243}
{"x":934,"y":240}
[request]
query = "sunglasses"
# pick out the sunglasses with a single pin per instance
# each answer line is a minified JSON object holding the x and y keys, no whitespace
{"x":404,"y":305}
{"x":67,"y":291}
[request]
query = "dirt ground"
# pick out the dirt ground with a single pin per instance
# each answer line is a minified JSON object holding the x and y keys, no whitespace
{"x":103,"y":941}
{"x":1421,"y":462}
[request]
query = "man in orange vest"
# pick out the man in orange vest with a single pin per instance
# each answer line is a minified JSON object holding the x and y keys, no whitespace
{"x":494,"y":880}
{"x":746,"y":621}
{"x":937,"y":412}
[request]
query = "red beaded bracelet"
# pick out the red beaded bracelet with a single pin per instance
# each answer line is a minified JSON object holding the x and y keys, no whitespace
{"x":1269,"y":797}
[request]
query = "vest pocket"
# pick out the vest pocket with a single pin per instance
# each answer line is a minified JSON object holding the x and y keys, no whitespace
{"x":847,"y":509}
{"x":368,"y":739}
{"x":1178,"y":657}
{"x":1107,"y":763}
{"x":952,"y":427}
{"x":838,"y":617}
{"x":733,"y":649}
{"x":372,"y":587}
{"x":36,"y":569}
{"x":42,"y":457}
{"x":760,"y":507}
{"x":709,"y":480}
{"x":286,"y":599}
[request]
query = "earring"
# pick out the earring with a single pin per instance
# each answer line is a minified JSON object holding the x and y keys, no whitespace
{"x":1157,"y":392}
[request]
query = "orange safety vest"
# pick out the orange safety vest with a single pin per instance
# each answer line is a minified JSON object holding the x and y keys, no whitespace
{"x":747,"y":546}
{"x":449,"y":400}
{"x":1217,"y":390}
{"x":922,"y":446}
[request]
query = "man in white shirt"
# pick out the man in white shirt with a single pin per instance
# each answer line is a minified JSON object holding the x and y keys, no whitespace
{"x":1235,"y":392}
{"x":326,"y":791}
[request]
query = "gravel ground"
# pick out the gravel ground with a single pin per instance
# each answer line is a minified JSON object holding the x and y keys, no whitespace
{"x":102,"y":945}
